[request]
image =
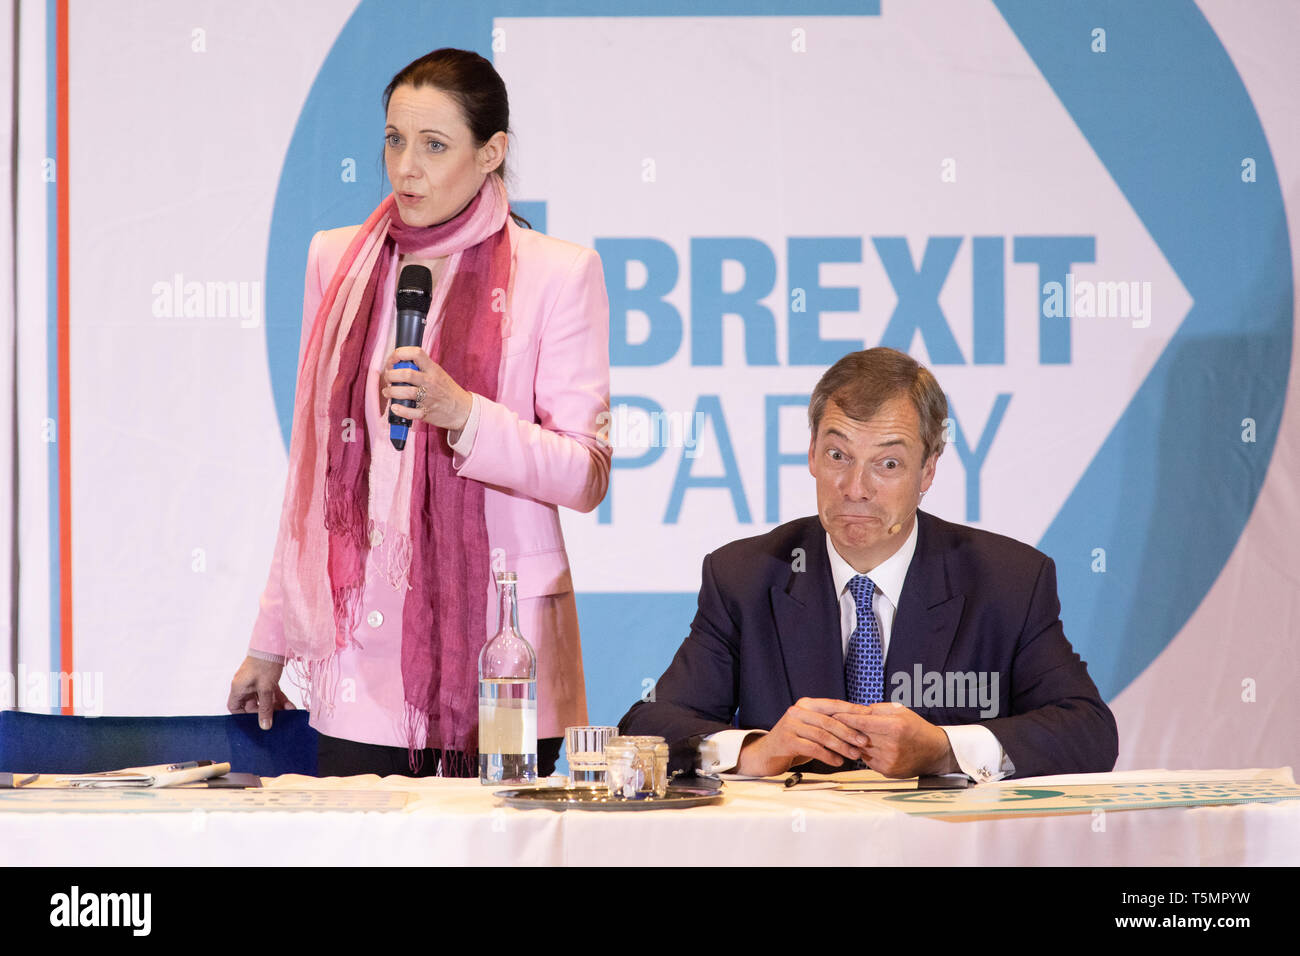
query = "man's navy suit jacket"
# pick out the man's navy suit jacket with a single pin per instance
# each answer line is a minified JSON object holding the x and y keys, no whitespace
{"x":768,"y":632}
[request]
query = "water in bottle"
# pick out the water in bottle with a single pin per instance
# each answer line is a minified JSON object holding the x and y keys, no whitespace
{"x":507,"y":698}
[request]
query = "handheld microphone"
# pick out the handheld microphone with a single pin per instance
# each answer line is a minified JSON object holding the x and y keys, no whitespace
{"x":414,"y":293}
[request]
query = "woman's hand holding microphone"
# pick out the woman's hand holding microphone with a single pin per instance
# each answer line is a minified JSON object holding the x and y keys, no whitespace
{"x":439,"y":401}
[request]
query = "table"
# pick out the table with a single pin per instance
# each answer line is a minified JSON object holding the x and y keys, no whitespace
{"x":757,"y":823}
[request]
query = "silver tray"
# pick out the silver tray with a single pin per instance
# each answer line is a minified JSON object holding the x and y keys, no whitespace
{"x":572,"y":798}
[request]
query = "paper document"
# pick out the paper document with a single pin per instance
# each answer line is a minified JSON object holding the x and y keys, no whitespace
{"x":161,"y":775}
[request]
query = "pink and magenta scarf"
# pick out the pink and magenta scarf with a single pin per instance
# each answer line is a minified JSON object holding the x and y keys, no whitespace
{"x":437,"y":516}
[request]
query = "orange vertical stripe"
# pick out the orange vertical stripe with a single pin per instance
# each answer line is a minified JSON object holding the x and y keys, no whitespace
{"x":64,"y":434}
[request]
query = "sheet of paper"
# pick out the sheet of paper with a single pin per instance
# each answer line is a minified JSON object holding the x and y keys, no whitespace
{"x":187,"y":800}
{"x":1012,"y":797}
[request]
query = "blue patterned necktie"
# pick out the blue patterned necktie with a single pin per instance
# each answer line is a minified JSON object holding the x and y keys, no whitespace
{"x":864,"y":659}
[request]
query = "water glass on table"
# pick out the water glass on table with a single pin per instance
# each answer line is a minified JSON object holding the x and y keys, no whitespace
{"x":585,"y":747}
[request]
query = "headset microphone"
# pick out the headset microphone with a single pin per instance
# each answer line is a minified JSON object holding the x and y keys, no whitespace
{"x":894,"y":529}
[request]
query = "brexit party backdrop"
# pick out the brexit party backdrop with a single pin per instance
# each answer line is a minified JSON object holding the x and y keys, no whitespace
{"x":1074,"y":213}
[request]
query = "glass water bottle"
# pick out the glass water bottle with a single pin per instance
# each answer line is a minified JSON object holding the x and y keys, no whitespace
{"x":507,"y":698}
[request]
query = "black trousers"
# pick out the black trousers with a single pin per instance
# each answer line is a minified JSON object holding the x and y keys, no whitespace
{"x":336,"y":757}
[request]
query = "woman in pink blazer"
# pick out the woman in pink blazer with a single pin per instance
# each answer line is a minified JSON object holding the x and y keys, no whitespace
{"x":533,"y":446}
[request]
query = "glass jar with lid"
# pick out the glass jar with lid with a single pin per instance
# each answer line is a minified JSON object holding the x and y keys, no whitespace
{"x":636,"y":767}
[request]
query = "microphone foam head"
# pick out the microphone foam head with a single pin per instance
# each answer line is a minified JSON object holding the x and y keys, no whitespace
{"x":415,"y":288}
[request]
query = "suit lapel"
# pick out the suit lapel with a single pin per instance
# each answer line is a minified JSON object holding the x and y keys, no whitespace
{"x":928,"y":611}
{"x":807,"y":618}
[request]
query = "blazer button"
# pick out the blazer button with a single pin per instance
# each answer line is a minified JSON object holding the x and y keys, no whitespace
{"x":374,"y":618}
{"x":376,"y":538}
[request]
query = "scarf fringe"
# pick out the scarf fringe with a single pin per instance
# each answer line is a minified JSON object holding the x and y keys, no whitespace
{"x":451,"y":763}
{"x":459,"y":763}
{"x":397,"y":562}
{"x":316,"y":680}
{"x":343,"y":516}
{"x":415,"y":726}
{"x":347,"y":615}
{"x":395,"y":552}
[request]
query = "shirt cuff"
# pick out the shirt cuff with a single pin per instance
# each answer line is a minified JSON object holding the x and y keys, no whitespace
{"x":978,"y":752}
{"x":720,"y":752}
{"x":266,"y":656}
{"x":464,"y":442}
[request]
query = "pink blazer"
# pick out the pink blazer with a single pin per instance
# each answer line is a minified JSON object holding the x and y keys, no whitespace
{"x":536,"y":448}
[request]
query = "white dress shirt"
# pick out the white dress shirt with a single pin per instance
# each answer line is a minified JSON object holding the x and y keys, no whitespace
{"x":975,"y":747}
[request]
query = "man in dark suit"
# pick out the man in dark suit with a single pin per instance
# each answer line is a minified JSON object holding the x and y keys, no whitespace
{"x":875,"y":632}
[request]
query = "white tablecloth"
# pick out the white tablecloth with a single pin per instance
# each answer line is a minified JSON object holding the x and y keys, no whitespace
{"x":460,"y":822}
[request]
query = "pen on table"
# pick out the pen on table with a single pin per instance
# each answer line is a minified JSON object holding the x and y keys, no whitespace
{"x":189,"y":765}
{"x":793,"y":779}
